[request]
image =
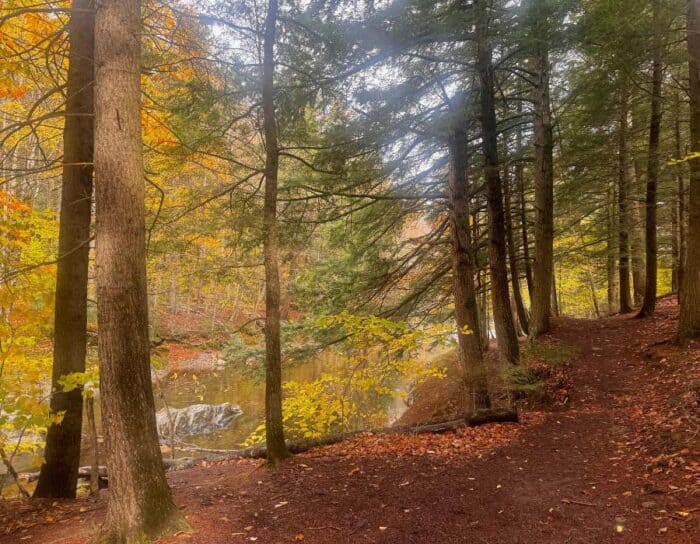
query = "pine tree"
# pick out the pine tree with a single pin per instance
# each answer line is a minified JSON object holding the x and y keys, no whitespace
{"x":689,"y":326}
{"x":141,"y":504}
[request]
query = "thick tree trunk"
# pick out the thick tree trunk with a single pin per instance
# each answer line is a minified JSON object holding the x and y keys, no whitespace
{"x":543,"y":268}
{"x":623,"y":205}
{"x":141,"y":504}
{"x":506,"y":334}
{"x":274,"y":424}
{"x":59,"y":473}
{"x":512,"y":256}
{"x":649,"y":302}
{"x":466,"y":308}
{"x":689,"y":326}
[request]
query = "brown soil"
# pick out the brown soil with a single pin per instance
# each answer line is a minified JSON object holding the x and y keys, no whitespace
{"x":620,"y":465}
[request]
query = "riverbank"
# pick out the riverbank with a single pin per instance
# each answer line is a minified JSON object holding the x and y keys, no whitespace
{"x":619,"y":464}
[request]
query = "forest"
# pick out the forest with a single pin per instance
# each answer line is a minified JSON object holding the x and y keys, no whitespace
{"x":390,"y":271}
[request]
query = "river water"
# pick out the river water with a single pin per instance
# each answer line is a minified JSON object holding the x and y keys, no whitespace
{"x":216,"y":385}
{"x":227,"y":384}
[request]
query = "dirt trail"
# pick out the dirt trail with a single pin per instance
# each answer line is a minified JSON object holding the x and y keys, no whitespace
{"x":593,"y":473}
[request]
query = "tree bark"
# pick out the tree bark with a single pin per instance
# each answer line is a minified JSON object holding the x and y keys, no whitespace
{"x":556,"y":298}
{"x":59,"y":473}
{"x":649,"y":302}
{"x":543,"y":268}
{"x":637,"y":231}
{"x":677,"y":219}
{"x":512,"y":256}
{"x":506,"y":334}
{"x":520,"y":184}
{"x":466,"y":307}
{"x":622,"y":204}
{"x":594,"y":296}
{"x":274,"y":423}
{"x":141,"y":504}
{"x":481,"y":284}
{"x":94,"y":445}
{"x":689,"y":326}
{"x":611,"y":256}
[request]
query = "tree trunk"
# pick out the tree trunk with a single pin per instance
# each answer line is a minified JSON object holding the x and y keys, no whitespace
{"x":520,"y":182}
{"x":611,"y":252}
{"x":466,"y":308}
{"x":594,"y":296}
{"x":512,"y":257}
{"x":637,"y":231}
{"x":506,"y":334}
{"x":689,"y":326}
{"x":94,"y":445}
{"x":522,"y":209}
{"x":543,"y":268}
{"x":622,"y":205}
{"x":556,"y":296}
{"x":59,"y":473}
{"x":649,"y":302}
{"x":481,"y":287}
{"x":141,"y":504}
{"x":274,"y":424}
{"x":677,"y":223}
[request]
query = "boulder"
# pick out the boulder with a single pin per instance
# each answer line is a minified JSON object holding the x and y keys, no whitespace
{"x":196,"y":419}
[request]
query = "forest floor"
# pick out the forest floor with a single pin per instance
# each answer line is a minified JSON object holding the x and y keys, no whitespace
{"x":620,"y":464}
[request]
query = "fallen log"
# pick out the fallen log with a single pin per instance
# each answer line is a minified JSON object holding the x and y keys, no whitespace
{"x":482,"y":417}
{"x":84,"y":473}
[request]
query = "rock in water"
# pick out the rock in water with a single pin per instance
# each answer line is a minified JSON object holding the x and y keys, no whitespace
{"x":197,"y":419}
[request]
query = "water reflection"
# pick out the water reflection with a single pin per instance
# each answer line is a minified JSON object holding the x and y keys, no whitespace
{"x":229,"y":384}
